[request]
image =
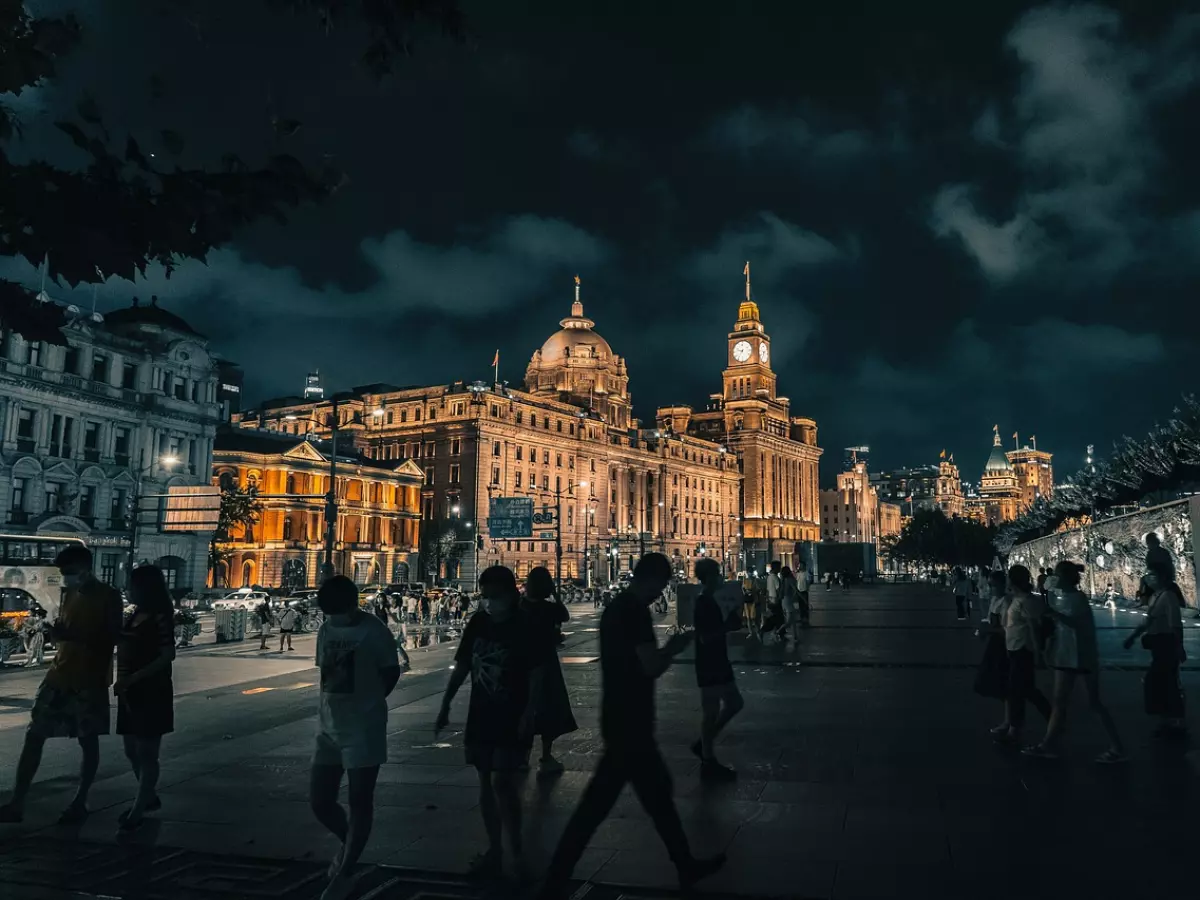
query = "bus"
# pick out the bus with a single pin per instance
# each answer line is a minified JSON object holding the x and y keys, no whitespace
{"x":28,"y":576}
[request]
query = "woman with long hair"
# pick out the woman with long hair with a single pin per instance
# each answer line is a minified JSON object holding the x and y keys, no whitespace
{"x":552,"y":706}
{"x":1074,"y":654}
{"x":145,"y":693}
{"x":790,"y":595}
{"x":1023,"y":640}
{"x":1162,"y":635}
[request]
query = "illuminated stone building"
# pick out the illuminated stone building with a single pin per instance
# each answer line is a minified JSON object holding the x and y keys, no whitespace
{"x":949,"y":493}
{"x":124,"y":406}
{"x":999,"y":491}
{"x":377,"y":522}
{"x":1034,"y":469}
{"x":777,"y":451}
{"x":850,"y":514}
{"x":891,"y":520}
{"x":568,"y":440}
{"x":910,"y":487}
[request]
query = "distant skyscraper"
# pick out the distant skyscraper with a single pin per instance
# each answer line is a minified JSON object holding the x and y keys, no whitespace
{"x":851,"y":456}
{"x":312,"y":387}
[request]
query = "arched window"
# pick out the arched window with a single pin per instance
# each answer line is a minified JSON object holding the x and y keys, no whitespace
{"x":247,"y":573}
{"x":227,"y":481}
{"x":291,"y":484}
{"x":287,"y":528}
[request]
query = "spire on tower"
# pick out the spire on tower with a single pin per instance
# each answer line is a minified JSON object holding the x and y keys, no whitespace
{"x":746,"y":272}
{"x":577,"y":306}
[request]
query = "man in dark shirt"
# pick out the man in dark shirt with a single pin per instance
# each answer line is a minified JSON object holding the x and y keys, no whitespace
{"x":630,"y":661}
{"x":719,"y":697}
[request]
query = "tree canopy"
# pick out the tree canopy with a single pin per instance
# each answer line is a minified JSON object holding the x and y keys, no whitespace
{"x":931,"y":538}
{"x":1162,"y":463}
{"x":132,"y":205}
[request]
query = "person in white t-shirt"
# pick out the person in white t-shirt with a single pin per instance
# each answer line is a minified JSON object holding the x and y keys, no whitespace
{"x":287,"y":627}
{"x":359,"y":668}
{"x":802,"y":594}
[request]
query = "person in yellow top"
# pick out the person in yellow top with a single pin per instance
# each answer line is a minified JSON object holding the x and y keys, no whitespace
{"x":72,"y":701}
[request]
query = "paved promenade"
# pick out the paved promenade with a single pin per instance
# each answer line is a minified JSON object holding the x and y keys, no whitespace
{"x":865,"y":772}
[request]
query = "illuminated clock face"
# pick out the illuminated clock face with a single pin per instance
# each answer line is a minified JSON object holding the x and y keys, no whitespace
{"x":741,"y":351}
{"x":763,"y":353}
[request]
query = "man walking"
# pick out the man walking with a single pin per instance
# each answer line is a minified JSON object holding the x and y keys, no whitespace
{"x":719,"y":697}
{"x":630,"y":661}
{"x":287,"y":627}
{"x":359,"y":669}
{"x":72,"y":701}
{"x":774,"y":589}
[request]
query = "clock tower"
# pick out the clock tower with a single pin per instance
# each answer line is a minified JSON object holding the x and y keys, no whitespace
{"x":748,"y":368}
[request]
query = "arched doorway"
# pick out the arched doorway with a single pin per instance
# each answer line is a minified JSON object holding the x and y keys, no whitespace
{"x":247,"y":573}
{"x":400,"y":572}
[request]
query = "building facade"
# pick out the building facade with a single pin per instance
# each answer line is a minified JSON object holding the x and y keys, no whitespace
{"x":379,"y":503}
{"x":891,"y":520}
{"x":999,"y":490}
{"x":1034,"y":469}
{"x":96,"y":430}
{"x":777,"y":451}
{"x":850,"y":514}
{"x":606,"y":489}
{"x":910,"y":487}
{"x":948,"y":495}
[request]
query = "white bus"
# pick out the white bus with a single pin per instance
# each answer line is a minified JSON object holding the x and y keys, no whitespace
{"x":28,"y":574}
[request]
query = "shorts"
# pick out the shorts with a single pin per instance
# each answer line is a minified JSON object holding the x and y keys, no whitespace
{"x":64,"y":712}
{"x":489,"y":758}
{"x":287,"y":630}
{"x":363,"y":753}
{"x":715,"y":693}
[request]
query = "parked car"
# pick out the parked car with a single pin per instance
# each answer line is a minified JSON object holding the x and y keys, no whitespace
{"x":242,"y":599}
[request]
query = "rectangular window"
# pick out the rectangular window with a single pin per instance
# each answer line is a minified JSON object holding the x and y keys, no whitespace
{"x":129,"y":376}
{"x":520,"y":417}
{"x":495,"y":474}
{"x":117,"y":512}
{"x":558,"y":460}
{"x":545,"y":482}
{"x":570,"y":517}
{"x":71,"y":361}
{"x":495,"y":410}
{"x":391,"y":417}
{"x":53,"y":489}
{"x":121,"y":447}
{"x":100,"y":368}
{"x":559,"y":425}
{"x":495,"y":448}
{"x":427,"y":509}
{"x":458,"y":408}
{"x":429,"y":474}
{"x":108,"y":567}
{"x":455,"y":447}
{"x":546,"y":422}
{"x":558,"y":482}
{"x":91,"y":441}
{"x":180,"y":385}
{"x":87,"y":501}
{"x":25,"y":423}
{"x":403,"y":416}
{"x":546,"y":457}
{"x":517,"y":480}
{"x":18,"y":494}
{"x":455,"y":473}
{"x":520,"y":452}
{"x":429,"y":448}
{"x":35,"y":353}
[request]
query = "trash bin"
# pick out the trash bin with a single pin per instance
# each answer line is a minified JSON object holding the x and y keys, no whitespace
{"x":230,"y":625}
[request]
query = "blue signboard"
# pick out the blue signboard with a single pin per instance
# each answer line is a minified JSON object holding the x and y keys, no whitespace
{"x":511,"y":517}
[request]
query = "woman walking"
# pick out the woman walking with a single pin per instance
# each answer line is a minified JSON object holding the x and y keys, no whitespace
{"x":1162,"y":635}
{"x":145,"y":694}
{"x":1023,"y":639}
{"x":992,"y":678}
{"x":1074,"y":654}
{"x":791,"y":606}
{"x":35,"y":637}
{"x":552,"y":705}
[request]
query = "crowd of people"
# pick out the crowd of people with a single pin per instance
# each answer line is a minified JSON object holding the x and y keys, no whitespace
{"x":508,"y":651}
{"x":1047,"y":622}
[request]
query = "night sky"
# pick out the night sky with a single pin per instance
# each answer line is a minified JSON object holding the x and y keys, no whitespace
{"x":957,"y":214}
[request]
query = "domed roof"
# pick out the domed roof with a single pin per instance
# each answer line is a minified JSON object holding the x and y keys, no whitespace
{"x":149,"y":315}
{"x":997,"y":463}
{"x":575,"y":339}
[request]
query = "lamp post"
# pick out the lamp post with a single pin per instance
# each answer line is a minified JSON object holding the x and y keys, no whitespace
{"x":168,"y":460}
{"x":1091,"y":541}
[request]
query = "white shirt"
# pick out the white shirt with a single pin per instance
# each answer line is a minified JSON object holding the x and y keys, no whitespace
{"x":1022,"y":620}
{"x":772,"y":586}
{"x":802,"y":581}
{"x":1164,"y":614}
{"x":353,"y":707}
{"x":288,"y":620}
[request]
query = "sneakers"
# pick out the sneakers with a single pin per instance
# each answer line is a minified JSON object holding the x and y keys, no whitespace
{"x":550,"y":766}
{"x":997,"y":730}
{"x":699,"y":869}
{"x":1040,"y":751}
{"x":1112,"y":757}
{"x":711,"y":770}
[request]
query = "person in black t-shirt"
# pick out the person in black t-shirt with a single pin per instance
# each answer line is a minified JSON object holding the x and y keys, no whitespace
{"x":499,"y":652}
{"x":630,"y":661}
{"x":719,"y":697}
{"x":553,"y":717}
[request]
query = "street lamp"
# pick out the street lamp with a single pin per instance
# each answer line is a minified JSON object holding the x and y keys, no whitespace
{"x":167,"y":460}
